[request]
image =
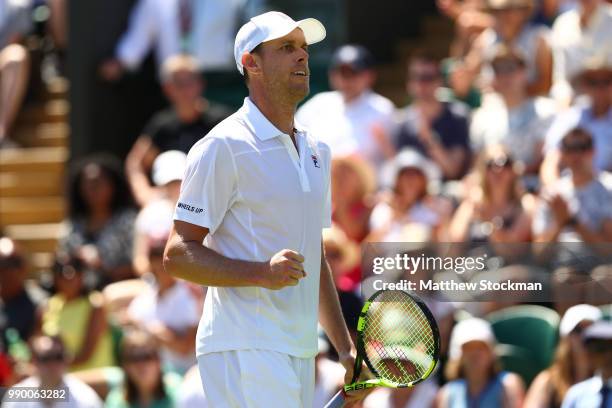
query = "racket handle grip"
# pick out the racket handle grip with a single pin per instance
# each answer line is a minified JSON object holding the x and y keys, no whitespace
{"x":337,"y":401}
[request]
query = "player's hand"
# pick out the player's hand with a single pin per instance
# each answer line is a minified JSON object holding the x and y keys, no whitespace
{"x":348,"y":362}
{"x":284,"y":269}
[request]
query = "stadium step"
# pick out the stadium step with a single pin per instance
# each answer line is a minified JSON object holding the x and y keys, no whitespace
{"x":31,"y":210}
{"x":44,"y":135}
{"x":13,"y":184}
{"x":53,"y":111}
{"x":35,"y":159}
{"x":36,"y":238}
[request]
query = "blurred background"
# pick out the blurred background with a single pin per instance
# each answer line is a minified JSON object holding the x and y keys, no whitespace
{"x":450,"y":121}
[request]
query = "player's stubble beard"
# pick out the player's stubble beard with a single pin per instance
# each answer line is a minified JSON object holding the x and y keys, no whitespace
{"x":286,"y":90}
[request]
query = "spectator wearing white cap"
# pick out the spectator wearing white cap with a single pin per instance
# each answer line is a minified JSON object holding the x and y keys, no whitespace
{"x":155,"y":218}
{"x":409,"y":202}
{"x":570,"y":365}
{"x":596,"y":392}
{"x":352,"y":119}
{"x":248,"y":225}
{"x":473,"y":369}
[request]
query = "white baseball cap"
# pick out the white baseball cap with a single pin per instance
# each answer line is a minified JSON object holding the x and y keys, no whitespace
{"x":272,"y":25}
{"x":169,"y":166}
{"x":468,"y":330}
{"x":576,"y":314}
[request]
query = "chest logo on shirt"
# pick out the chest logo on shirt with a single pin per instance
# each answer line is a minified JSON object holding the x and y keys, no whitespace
{"x":315,"y":161}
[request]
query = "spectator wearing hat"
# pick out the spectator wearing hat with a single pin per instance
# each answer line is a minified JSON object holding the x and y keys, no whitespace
{"x":495,"y":208}
{"x":155,"y":219}
{"x":436,"y":129}
{"x":351,"y":119}
{"x":510,"y":116}
{"x":169,"y":311}
{"x":511,"y":27}
{"x":594,"y":115}
{"x":78,"y":316}
{"x":51,"y":362}
{"x":473,"y":369}
{"x":409,"y":203}
{"x":571,"y":364}
{"x":595,"y":392}
{"x":579,"y":34}
{"x":176,"y":128}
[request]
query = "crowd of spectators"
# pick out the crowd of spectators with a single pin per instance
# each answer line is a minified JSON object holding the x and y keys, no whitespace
{"x":506,"y":141}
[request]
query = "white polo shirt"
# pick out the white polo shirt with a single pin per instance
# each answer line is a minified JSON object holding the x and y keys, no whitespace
{"x":246,"y":182}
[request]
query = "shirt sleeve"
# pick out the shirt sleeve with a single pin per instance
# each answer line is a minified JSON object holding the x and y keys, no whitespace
{"x":209,"y":188}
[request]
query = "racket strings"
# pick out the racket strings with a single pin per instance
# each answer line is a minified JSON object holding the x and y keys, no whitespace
{"x":398,"y":338}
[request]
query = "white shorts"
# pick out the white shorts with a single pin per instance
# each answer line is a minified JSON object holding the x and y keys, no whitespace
{"x":257,"y":379}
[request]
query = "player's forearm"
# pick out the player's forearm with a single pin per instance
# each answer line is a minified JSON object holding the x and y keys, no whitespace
{"x":330,"y":313}
{"x":196,"y":263}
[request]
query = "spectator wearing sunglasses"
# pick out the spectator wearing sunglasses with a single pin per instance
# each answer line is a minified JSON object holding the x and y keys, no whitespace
{"x":593,"y":113}
{"x":51,"y":362}
{"x":144,"y":385}
{"x":495,"y":209}
{"x":436,"y":129}
{"x":351,"y":119}
{"x":570,"y":365}
{"x":510,"y":116}
{"x":595,"y":392}
{"x":77,"y":316}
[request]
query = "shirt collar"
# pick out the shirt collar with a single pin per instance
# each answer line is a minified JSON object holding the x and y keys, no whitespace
{"x":260,"y":125}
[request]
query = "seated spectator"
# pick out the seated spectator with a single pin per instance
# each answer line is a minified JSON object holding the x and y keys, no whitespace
{"x":77,"y":316}
{"x":51,"y":361}
{"x":573,"y":209}
{"x":155,"y":218}
{"x":495,"y":209}
{"x":420,"y":396}
{"x":15,"y":22}
{"x":571,"y":364}
{"x":20,"y":300}
{"x":144,"y":384}
{"x":595,"y":81}
{"x":595,"y":392}
{"x":438,"y":130}
{"x":511,"y":27}
{"x":351,"y":119}
{"x":579,"y":34}
{"x":353,"y":183}
{"x":178,"y":127}
{"x":473,"y":370}
{"x":410,"y":203}
{"x":101,"y":218}
{"x":510,"y":117}
{"x":170,"y":312}
{"x":342,"y":254}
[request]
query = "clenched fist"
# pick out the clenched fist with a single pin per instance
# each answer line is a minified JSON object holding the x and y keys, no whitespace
{"x":284,"y":269}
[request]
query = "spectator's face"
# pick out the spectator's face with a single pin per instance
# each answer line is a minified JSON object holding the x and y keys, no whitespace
{"x":509,"y":21}
{"x":50,"y":361}
{"x":411,"y":185}
{"x":577,"y":152}
{"x":350,"y":82}
{"x":281,"y":62}
{"x":96,"y":187}
{"x":423,"y":80}
{"x":69,"y":281}
{"x":477,"y":357}
{"x":500,"y":171}
{"x":346,"y":183}
{"x":598,"y":85}
{"x":510,"y":76}
{"x":143,"y":367}
{"x":12,"y":270}
{"x":600,"y":354}
{"x":335,"y":258}
{"x":156,"y":262}
{"x":184,"y":88}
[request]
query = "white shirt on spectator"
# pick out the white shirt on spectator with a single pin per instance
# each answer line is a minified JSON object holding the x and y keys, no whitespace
{"x":574,"y":44}
{"x":79,"y":395}
{"x":423,"y":396}
{"x":191,"y":393}
{"x":600,"y":129}
{"x":520,"y":129}
{"x":347,"y":128}
{"x":155,"y":23}
{"x":177,"y":309}
{"x":330,"y":375}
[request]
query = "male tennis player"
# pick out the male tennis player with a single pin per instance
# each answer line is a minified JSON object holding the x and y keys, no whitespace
{"x":248,"y":223}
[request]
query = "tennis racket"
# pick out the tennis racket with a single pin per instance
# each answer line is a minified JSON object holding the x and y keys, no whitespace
{"x":398,"y":339}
